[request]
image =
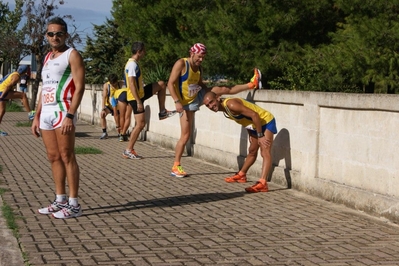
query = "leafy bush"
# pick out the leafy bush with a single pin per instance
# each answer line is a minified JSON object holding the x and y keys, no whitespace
{"x":157,"y":74}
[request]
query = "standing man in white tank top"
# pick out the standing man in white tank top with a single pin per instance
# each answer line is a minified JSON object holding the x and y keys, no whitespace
{"x":63,"y":78}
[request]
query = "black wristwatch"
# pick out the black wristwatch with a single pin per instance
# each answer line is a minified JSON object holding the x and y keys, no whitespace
{"x":260,"y":134}
{"x":71,"y":116}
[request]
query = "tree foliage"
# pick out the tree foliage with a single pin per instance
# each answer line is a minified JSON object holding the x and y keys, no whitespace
{"x":370,"y":40}
{"x":12,"y":45}
{"x":239,"y":34}
{"x":323,"y":45}
{"x":319,"y":45}
{"x":104,"y":53}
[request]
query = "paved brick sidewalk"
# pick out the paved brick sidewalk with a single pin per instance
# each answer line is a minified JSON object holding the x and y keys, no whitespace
{"x":136,"y":214}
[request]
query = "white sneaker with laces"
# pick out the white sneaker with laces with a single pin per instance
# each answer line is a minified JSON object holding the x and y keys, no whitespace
{"x":53,"y":207}
{"x":68,"y":212}
{"x":131,"y":155}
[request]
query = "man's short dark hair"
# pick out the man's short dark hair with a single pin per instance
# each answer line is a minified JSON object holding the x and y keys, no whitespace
{"x":58,"y":21}
{"x":137,"y":47}
{"x":113,"y":78}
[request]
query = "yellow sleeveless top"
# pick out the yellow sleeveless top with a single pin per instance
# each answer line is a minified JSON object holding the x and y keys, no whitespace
{"x":119,"y":91}
{"x":7,"y":81}
{"x":188,"y":87}
{"x":110,"y":93}
{"x":245,"y":121}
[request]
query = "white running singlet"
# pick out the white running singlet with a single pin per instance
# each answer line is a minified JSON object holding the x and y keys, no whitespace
{"x":58,"y":87}
{"x":57,"y":90}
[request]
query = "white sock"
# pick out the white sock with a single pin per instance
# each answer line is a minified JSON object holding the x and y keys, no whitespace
{"x":61,"y":198}
{"x":73,"y":202}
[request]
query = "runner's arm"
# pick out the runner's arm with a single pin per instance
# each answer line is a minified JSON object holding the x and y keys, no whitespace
{"x":78,"y":76}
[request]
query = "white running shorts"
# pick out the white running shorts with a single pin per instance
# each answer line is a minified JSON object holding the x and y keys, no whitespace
{"x":53,"y":119}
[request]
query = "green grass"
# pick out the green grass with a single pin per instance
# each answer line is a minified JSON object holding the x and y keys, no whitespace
{"x":10,"y":219}
{"x":7,"y":212}
{"x":8,"y":215}
{"x":24,"y":124}
{"x":13,"y":107}
{"x":87,"y":150}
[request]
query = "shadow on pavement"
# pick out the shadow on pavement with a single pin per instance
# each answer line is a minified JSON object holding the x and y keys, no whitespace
{"x":83,"y":135}
{"x":215,"y":173}
{"x":164,"y":202}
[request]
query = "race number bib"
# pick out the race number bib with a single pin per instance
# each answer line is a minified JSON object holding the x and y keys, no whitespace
{"x":193,"y":89}
{"x":48,"y":96}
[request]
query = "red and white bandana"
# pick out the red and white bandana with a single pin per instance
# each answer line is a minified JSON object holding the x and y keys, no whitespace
{"x":198,"y":48}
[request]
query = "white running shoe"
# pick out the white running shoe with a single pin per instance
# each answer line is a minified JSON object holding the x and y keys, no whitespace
{"x":68,"y":212}
{"x":53,"y":207}
{"x":104,"y":135}
{"x":131,"y":155}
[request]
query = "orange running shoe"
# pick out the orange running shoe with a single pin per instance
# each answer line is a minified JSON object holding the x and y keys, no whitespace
{"x":258,"y":187}
{"x":257,"y":79}
{"x":236,"y":178}
{"x":178,"y":171}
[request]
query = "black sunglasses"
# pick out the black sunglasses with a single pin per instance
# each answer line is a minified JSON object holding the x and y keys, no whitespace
{"x":56,"y":33}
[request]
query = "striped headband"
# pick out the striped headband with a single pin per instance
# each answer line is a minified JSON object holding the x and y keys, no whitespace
{"x":198,"y":48}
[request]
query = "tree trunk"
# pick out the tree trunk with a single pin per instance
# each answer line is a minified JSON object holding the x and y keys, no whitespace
{"x":36,"y":84}
{"x":390,"y":89}
{"x":369,"y":88}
